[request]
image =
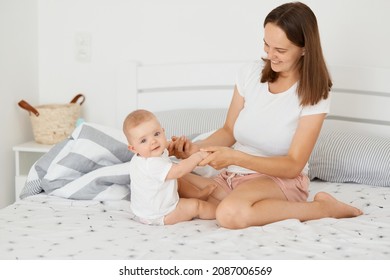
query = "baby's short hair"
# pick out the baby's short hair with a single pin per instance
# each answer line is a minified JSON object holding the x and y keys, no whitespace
{"x":137,"y":117}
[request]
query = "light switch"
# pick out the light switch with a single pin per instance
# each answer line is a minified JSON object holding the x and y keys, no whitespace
{"x":83,"y":43}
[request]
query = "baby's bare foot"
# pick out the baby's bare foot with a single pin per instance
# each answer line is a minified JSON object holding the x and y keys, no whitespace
{"x":335,"y":208}
{"x":206,"y":192}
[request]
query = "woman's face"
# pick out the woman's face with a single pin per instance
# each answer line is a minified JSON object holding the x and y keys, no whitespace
{"x":281,"y":52}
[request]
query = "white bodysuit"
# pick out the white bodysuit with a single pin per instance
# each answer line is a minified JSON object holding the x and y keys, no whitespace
{"x":267,"y":123}
{"x":152,"y":197}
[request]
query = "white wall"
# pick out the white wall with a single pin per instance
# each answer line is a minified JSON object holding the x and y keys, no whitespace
{"x":153,"y":31}
{"x":18,"y":80}
{"x":354,"y":32}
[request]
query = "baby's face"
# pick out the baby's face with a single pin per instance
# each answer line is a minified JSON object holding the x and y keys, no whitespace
{"x":148,"y":139}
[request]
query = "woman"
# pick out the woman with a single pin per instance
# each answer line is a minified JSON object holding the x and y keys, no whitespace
{"x":273,"y":122}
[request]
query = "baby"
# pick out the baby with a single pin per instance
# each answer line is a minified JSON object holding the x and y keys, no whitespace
{"x":154,"y":186}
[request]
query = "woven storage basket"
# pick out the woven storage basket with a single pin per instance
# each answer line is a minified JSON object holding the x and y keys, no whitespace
{"x":53,"y":123}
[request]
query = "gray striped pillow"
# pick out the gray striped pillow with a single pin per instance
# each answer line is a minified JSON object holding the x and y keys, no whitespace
{"x":341,"y":156}
{"x":191,"y":121}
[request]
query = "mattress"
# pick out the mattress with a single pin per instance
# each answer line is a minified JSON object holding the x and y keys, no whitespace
{"x":47,"y":227}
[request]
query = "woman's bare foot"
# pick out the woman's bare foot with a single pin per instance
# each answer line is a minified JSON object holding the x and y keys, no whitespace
{"x":335,"y":208}
{"x":205,"y":193}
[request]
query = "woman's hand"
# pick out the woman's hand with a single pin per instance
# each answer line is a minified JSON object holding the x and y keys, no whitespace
{"x":182,"y":147}
{"x":219,"y":157}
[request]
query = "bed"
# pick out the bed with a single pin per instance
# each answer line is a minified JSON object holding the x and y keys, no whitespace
{"x":351,"y":160}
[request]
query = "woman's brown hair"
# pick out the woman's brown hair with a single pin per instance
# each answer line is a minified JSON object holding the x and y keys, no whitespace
{"x":300,"y":25}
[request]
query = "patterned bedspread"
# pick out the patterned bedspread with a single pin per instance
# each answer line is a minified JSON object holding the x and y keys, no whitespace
{"x":49,"y":227}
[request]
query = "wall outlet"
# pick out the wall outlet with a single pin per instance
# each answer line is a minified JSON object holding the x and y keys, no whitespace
{"x":83,"y":43}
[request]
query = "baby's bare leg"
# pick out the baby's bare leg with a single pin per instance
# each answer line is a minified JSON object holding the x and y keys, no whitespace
{"x":190,"y":208}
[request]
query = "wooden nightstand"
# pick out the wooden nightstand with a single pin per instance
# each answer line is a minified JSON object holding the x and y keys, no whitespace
{"x":26,"y":155}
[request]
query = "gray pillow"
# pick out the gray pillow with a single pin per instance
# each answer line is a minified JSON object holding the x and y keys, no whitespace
{"x":342,"y":156}
{"x":191,"y":121}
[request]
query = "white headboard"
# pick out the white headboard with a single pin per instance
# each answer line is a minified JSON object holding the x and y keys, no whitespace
{"x":360,"y":99}
{"x":360,"y":96}
{"x":165,"y":87}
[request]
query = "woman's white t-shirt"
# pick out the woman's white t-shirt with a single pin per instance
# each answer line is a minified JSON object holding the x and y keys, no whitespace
{"x":267,"y":123}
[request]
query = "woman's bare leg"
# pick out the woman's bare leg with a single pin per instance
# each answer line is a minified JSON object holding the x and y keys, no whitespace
{"x":189,"y":190}
{"x":261,"y":201}
{"x":335,"y":208}
{"x":201,"y":182}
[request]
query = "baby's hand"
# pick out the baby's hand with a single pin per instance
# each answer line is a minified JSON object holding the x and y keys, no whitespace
{"x":181,"y":147}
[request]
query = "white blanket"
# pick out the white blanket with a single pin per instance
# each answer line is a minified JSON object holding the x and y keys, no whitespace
{"x":92,"y":164}
{"x":47,"y":227}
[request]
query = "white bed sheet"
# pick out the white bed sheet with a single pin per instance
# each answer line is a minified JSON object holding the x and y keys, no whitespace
{"x":47,"y":227}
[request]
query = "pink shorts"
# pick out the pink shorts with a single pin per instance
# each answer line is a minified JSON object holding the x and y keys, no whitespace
{"x":294,"y":189}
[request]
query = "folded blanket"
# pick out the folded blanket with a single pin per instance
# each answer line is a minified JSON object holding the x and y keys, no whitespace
{"x":92,"y":164}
